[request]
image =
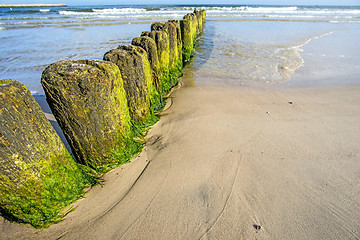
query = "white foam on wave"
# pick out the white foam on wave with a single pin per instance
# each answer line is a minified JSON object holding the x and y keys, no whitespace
{"x":332,"y":11}
{"x":306,"y":41}
{"x":44,"y":10}
{"x":287,"y":13}
{"x":252,"y":9}
{"x":255,"y":61}
{"x":119,"y":10}
{"x":106,"y":11}
{"x":70,"y":13}
{"x":272,"y":9}
{"x":292,"y":10}
{"x":335,"y":21}
{"x":297,"y":49}
{"x":126,"y":13}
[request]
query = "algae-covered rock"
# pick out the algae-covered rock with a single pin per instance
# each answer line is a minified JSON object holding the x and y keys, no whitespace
{"x":38,"y":177}
{"x":175,"y":62}
{"x":137,"y":82}
{"x":149,"y":45}
{"x":161,"y":39}
{"x":88,"y":100}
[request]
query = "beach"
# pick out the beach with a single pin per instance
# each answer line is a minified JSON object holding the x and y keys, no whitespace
{"x":241,"y":152}
{"x":221,"y":161}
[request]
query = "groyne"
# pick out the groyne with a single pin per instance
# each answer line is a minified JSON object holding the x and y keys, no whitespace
{"x":104,"y":108}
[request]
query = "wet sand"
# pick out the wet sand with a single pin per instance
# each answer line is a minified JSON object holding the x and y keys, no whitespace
{"x":232,"y":163}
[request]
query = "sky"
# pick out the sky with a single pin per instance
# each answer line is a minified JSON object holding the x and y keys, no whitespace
{"x":244,"y":2}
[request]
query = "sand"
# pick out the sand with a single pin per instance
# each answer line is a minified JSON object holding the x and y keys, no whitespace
{"x":232,"y":163}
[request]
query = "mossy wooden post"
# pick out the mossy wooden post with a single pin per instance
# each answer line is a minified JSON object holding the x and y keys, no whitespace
{"x":200,"y":21}
{"x":203,"y":18}
{"x":38,"y":177}
{"x":195,"y":26}
{"x":163,"y":45}
{"x":135,"y":68}
{"x":187,"y":38}
{"x":88,"y":100}
{"x":175,"y":62}
{"x":149,"y":45}
{"x":190,"y":29}
{"x":179,"y":39}
{"x":156,"y":99}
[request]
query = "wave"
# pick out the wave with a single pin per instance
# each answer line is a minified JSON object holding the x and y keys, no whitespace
{"x":91,"y":14}
{"x":120,"y":10}
{"x":306,"y":41}
{"x":23,"y":11}
{"x":331,"y":11}
{"x":86,"y":10}
{"x":293,"y":11}
{"x":153,"y":9}
{"x":72,"y":13}
{"x":106,"y":11}
{"x":225,"y":11}
{"x":252,"y":9}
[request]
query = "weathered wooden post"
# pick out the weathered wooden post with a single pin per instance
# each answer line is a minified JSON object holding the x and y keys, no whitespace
{"x":38,"y":177}
{"x":149,"y":45}
{"x":175,"y":62}
{"x":88,"y":100}
{"x":179,"y":40}
{"x":141,"y":94}
{"x":161,"y":39}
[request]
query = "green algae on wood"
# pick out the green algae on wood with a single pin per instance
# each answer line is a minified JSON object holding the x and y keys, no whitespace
{"x":38,"y":177}
{"x":200,"y":16}
{"x":156,"y":99}
{"x":149,"y":45}
{"x":179,"y":39}
{"x":195,"y":25}
{"x":190,"y":29}
{"x":161,"y":39}
{"x":175,"y":62}
{"x":137,"y":83}
{"x":187,"y":39}
{"x":88,"y":100}
{"x":203,"y":18}
{"x":203,"y":14}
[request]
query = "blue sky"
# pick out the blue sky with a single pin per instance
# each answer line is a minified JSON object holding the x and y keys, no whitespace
{"x":263,"y":2}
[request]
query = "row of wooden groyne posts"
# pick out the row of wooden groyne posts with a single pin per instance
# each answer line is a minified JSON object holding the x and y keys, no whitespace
{"x":104,"y":108}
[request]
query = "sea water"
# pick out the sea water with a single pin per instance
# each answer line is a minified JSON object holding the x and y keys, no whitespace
{"x":241,"y":45}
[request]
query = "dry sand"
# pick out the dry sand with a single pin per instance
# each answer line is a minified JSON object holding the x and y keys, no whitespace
{"x":222,"y":161}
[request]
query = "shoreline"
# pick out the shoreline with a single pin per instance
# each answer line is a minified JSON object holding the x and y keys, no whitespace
{"x":221,"y":161}
{"x":31,"y":5}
